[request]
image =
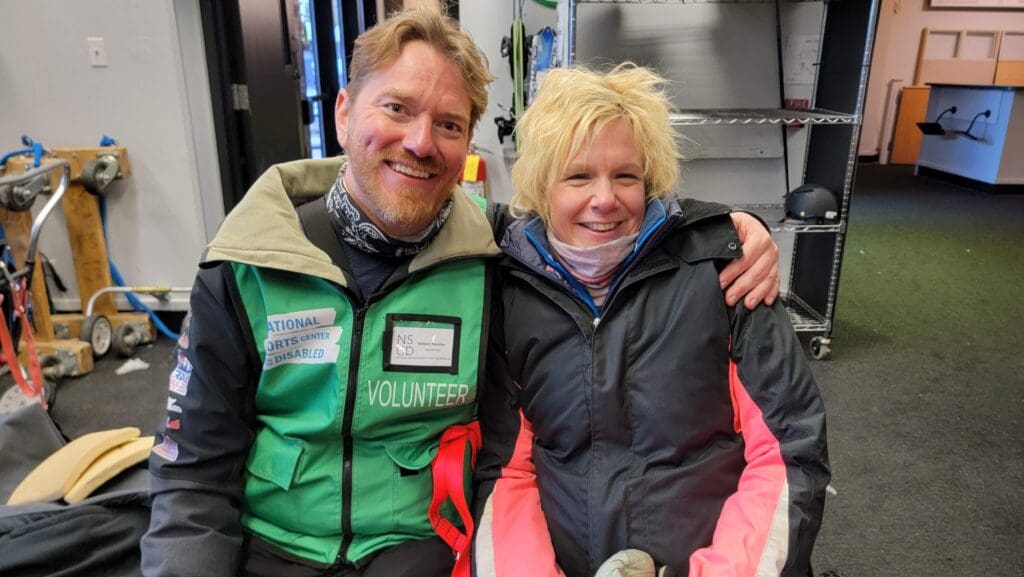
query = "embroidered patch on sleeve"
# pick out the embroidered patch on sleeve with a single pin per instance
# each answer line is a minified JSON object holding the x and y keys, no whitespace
{"x":168,"y":449}
{"x":172,"y":405}
{"x":180,"y":375}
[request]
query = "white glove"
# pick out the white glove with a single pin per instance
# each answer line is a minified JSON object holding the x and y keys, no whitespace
{"x":627,"y":563}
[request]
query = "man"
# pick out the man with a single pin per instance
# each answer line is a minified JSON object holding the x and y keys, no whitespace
{"x":330,"y":345}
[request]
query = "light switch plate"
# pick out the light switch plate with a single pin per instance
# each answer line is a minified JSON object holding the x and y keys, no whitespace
{"x":97,"y":52}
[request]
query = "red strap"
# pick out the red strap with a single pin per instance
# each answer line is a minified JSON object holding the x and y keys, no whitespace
{"x":35,"y":388}
{"x":449,"y":469}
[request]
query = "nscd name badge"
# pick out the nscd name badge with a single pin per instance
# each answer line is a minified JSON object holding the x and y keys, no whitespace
{"x":422,"y":343}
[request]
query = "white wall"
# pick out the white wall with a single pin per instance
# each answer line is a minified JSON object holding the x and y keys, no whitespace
{"x":899,"y":34}
{"x":487,"y":21}
{"x":153,"y":97}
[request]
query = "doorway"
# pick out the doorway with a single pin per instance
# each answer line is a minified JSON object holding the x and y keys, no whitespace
{"x":275,"y":69}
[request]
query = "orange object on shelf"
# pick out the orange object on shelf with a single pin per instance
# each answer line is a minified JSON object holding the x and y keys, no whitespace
{"x":474,"y":175}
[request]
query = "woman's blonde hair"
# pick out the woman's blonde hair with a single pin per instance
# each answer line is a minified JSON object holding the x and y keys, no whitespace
{"x":572,"y":106}
{"x":381,"y":44}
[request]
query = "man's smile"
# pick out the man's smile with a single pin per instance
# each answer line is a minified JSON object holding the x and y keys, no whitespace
{"x":409,"y":171}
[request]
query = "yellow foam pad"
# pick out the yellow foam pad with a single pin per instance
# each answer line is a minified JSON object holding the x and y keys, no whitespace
{"x":53,"y":478}
{"x":108,"y":465}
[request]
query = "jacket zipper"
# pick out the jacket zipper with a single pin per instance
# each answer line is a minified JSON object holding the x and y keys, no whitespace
{"x":346,"y":434}
{"x":350,"y":397}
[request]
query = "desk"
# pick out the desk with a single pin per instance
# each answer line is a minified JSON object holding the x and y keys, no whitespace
{"x":996,"y":158}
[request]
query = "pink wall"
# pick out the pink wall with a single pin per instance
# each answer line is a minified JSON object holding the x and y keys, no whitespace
{"x":899,"y":33}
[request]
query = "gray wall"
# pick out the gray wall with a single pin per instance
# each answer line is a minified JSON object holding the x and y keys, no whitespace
{"x":153,"y":96}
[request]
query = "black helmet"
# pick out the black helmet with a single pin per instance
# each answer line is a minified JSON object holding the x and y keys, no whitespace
{"x":812,"y":202}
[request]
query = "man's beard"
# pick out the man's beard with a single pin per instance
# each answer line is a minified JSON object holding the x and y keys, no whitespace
{"x":404,"y":208}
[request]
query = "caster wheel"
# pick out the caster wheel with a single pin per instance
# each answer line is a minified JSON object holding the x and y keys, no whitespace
{"x":820,"y":348}
{"x":126,"y":338}
{"x":98,"y":173}
{"x":96,"y":331}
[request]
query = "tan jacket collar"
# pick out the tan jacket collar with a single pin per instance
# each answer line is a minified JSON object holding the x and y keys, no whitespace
{"x":264,"y":229}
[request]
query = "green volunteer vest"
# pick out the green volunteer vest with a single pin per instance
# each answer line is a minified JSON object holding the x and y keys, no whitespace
{"x":394,"y":376}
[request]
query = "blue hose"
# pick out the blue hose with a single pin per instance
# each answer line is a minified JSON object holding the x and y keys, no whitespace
{"x":138,"y":305}
{"x":34,"y":148}
{"x":115,"y":275}
{"x":4,"y":158}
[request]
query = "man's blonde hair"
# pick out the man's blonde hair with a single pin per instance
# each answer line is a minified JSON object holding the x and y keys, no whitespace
{"x":381,"y":44}
{"x":572,"y":106}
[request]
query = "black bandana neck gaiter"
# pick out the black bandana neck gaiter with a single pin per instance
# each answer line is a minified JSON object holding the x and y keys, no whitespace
{"x":358,"y":230}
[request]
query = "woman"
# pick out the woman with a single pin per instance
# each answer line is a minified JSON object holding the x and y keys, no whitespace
{"x":628,"y":407}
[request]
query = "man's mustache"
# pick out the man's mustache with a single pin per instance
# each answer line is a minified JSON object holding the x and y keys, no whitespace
{"x":420,"y":164}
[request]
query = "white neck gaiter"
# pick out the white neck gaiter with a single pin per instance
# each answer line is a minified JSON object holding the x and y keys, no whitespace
{"x":594,"y":266}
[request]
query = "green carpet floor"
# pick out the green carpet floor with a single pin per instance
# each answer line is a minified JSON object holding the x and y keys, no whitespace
{"x":924,"y":390}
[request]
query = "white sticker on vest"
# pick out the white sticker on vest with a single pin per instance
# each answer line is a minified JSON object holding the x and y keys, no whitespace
{"x":422,"y":347}
{"x":303,"y":337}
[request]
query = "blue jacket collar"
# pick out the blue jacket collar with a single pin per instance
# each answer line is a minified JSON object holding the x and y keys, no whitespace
{"x":527,"y":242}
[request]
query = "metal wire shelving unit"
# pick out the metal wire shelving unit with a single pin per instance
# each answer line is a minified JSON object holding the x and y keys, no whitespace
{"x":760,"y":116}
{"x":840,"y":84}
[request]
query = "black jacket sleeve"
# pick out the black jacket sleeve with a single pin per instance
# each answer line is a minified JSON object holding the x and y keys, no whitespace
{"x":498,"y":406}
{"x":500,"y":217}
{"x":507,"y":497}
{"x":200,"y":450}
{"x":782,"y":418}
